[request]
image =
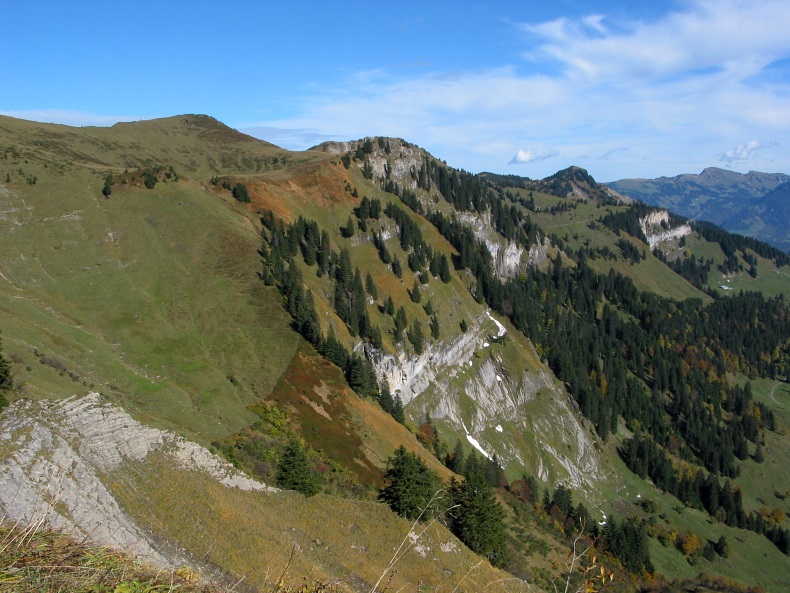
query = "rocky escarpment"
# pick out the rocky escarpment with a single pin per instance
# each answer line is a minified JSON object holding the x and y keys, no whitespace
{"x":520,"y":415}
{"x":656,"y":228}
{"x":56,"y":457}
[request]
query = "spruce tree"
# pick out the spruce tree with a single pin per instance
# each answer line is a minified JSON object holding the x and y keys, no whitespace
{"x":416,"y":337}
{"x":107,"y":189}
{"x":385,"y":398}
{"x":478,"y":519}
{"x":415,"y":294}
{"x":6,"y":380}
{"x":444,"y":269}
{"x":370,"y":286}
{"x":397,"y":410}
{"x":413,"y":488}
{"x":294,"y":471}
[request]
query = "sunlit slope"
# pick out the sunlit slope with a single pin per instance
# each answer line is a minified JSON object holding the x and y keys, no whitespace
{"x":152,"y":296}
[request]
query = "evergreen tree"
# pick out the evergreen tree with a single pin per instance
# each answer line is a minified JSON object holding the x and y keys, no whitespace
{"x":397,"y":410}
{"x":444,"y":269}
{"x":107,"y":189}
{"x":240,"y":192}
{"x":416,"y":338}
{"x":396,"y":267}
{"x":435,"y":327}
{"x":294,"y":471}
{"x":456,"y":461}
{"x":348,"y":229}
{"x":413,"y":489}
{"x":6,"y":380}
{"x":758,"y":454}
{"x":478,"y":520}
{"x":370,"y":286}
{"x":389,"y":306}
{"x":385,"y":398}
{"x":400,"y":323}
{"x":415,"y":294}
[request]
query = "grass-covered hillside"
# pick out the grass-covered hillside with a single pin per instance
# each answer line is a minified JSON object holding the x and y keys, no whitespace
{"x":334,"y":305}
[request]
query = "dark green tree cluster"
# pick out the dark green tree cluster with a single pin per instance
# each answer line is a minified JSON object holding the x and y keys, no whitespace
{"x":628,"y":542}
{"x":295,"y":471}
{"x":241,"y":193}
{"x":410,"y":237}
{"x":630,"y":251}
{"x":478,"y":519}
{"x":731,"y":243}
{"x":367,"y":209}
{"x":413,"y":490}
{"x":281,"y":245}
{"x":694,"y":269}
{"x":720,"y":501}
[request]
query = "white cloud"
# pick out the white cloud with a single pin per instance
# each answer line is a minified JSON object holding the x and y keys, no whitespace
{"x":735,"y":37}
{"x":528,"y":156}
{"x":674,"y":90}
{"x":742,"y":152}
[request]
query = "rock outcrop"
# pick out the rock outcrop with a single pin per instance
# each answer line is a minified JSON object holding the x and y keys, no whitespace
{"x":57,"y":456}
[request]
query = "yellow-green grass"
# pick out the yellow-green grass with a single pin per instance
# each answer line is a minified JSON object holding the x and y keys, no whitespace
{"x":150,"y":296}
{"x":252,"y":535}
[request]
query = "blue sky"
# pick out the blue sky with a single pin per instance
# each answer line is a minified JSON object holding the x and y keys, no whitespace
{"x":623,"y":89}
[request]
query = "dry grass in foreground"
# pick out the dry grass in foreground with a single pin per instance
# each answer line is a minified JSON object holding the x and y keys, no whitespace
{"x":44,"y":561}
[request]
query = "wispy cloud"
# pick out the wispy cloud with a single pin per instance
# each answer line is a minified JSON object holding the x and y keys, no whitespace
{"x":70,"y":118}
{"x":674,"y":90}
{"x":742,"y":152}
{"x":529,"y":156}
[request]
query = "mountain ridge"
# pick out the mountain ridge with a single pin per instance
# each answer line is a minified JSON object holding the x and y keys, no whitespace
{"x":727,"y":198}
{"x":179,"y":298}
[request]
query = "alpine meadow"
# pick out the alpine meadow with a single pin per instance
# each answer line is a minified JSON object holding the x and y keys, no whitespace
{"x":228,"y":366}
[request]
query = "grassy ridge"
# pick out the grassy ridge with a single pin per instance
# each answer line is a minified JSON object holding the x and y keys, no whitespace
{"x":151,"y":296}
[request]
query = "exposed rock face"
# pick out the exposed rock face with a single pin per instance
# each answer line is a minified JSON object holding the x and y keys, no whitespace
{"x":542,"y":430}
{"x":56,"y":458}
{"x":655,"y":226}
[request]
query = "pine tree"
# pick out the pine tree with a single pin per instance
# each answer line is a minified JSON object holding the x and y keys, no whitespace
{"x":348,"y":229}
{"x":397,"y":269}
{"x":456,"y":461}
{"x":294,"y":471}
{"x":385,"y":398}
{"x":435,"y":327}
{"x":240,"y":192}
{"x":758,"y":454}
{"x":389,"y":306}
{"x":400,"y":324}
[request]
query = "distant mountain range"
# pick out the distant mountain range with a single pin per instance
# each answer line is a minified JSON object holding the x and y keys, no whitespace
{"x":754,"y":204}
